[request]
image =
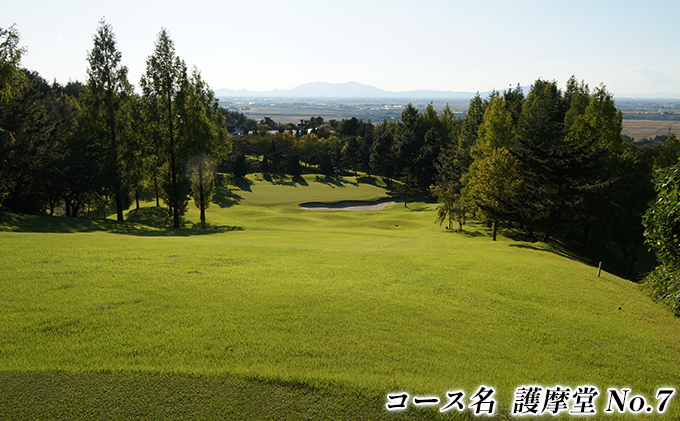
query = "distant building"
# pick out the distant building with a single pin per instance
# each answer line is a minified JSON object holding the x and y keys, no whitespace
{"x":234,"y":131}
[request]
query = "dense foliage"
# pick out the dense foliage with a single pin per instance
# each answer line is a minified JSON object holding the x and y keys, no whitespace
{"x":662,"y":232}
{"x":90,"y":147}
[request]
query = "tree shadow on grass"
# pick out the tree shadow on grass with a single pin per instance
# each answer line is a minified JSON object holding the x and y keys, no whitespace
{"x":282,"y":180}
{"x":187,"y":229}
{"x":155,"y":221}
{"x":300,"y":180}
{"x":554,"y":250}
{"x":386,"y":183}
{"x":150,"y":222}
{"x":225,"y":197}
{"x":209,"y":228}
{"x":472,"y":234}
{"x":333,"y":181}
{"x":368,"y":180}
{"x":242,"y":183}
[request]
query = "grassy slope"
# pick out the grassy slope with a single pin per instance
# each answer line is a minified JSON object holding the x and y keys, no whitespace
{"x":311,"y":313}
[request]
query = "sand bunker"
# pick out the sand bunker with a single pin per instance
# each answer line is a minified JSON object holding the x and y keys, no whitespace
{"x":352,"y":205}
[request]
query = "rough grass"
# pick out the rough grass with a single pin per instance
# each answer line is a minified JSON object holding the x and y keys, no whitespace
{"x":272,"y":311}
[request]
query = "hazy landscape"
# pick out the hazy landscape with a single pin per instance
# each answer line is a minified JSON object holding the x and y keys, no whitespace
{"x":642,"y":117}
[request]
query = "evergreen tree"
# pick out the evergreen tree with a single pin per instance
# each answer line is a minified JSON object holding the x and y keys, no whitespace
{"x":425,"y":169}
{"x":38,"y":121}
{"x":470,"y":125}
{"x":406,"y":148}
{"x":202,"y":176}
{"x":108,"y":88}
{"x":240,"y":167}
{"x":496,"y":129}
{"x":450,"y":125}
{"x":201,"y":130}
{"x":381,"y":157}
{"x":294,"y":167}
{"x":165,"y":76}
{"x":556,"y":172}
{"x":265,"y":165}
{"x":327,"y":165}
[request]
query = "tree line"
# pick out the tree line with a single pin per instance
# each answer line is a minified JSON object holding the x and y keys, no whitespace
{"x":547,"y":162}
{"x":550,"y":163}
{"x":87,"y":146}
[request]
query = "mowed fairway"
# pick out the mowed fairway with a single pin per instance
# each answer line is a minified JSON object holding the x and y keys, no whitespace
{"x":282,"y":313}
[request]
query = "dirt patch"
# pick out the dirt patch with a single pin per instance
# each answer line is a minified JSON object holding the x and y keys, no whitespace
{"x":353,"y":205}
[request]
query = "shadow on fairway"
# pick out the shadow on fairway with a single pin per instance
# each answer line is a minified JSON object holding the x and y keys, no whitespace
{"x":139,"y":221}
{"x":226,"y":198}
{"x":149,"y":222}
{"x":333,"y":181}
{"x":280,"y":179}
{"x":382,"y":182}
{"x":187,"y":230}
{"x":471,"y":234}
{"x":554,"y":250}
{"x":300,"y":180}
{"x":67,"y":396}
{"x":368,"y":180}
{"x":242,"y":183}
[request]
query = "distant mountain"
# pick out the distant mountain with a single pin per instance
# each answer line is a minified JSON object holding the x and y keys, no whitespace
{"x":648,"y":96}
{"x":359,"y":90}
{"x":342,"y":90}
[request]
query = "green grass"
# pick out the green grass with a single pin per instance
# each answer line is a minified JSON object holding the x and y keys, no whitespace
{"x":273,"y":311}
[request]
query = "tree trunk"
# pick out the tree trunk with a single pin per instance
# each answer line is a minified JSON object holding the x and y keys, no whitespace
{"x":15,"y":197}
{"x":175,"y":191}
{"x":633,"y":259}
{"x":548,"y":234}
{"x":495,"y":228}
{"x":67,"y":206}
{"x":119,"y":200}
{"x":201,"y":198}
{"x":114,"y":157}
{"x":155,"y":188}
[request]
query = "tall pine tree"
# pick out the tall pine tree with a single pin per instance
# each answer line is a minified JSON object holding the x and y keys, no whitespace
{"x":108,"y":88}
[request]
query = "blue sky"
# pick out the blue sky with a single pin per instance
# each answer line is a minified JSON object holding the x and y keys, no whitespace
{"x":475,"y":45}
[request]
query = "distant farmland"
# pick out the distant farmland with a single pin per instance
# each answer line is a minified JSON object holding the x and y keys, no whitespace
{"x":292,"y":111}
{"x":639,"y":129}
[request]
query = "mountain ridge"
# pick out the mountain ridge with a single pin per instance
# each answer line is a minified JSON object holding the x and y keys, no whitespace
{"x":359,"y":90}
{"x":342,"y":90}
